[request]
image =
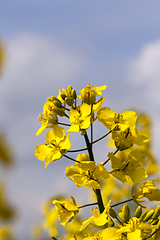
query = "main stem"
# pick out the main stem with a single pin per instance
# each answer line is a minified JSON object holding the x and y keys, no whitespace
{"x":97,"y":191}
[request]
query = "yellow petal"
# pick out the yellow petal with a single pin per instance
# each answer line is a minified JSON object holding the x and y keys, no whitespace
{"x":86,"y":123}
{"x":85,"y":110}
{"x":42,"y":151}
{"x":154,"y":196}
{"x":86,"y":223}
{"x":83,"y":157}
{"x":57,"y":134}
{"x":99,"y":89}
{"x":98,"y":104}
{"x":137,"y":175}
{"x":100,"y":171}
{"x":44,"y":125}
{"x":115,"y":161}
{"x":140,"y":140}
{"x":55,"y":155}
{"x":130,"y":117}
{"x":102,"y":220}
{"x":106,"y":116}
{"x":70,"y":206}
{"x":73,"y":128}
{"x":79,"y":180}
{"x":134,"y":235}
{"x":65,"y":144}
{"x":71,"y":170}
{"x":90,"y":165}
{"x":73,"y":114}
{"x":110,"y":233}
{"x":92,"y":184}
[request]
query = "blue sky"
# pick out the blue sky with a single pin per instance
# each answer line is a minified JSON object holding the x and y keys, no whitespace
{"x":51,"y":44}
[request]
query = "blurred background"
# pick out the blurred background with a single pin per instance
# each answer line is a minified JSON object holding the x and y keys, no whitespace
{"x":50,"y":44}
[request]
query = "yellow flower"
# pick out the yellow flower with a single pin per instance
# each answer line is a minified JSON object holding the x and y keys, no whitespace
{"x":133,"y":229}
{"x":122,"y":168}
{"x":81,"y":119}
{"x":124,"y":140}
{"x":97,"y":220}
{"x":48,"y":119}
{"x":147,"y":190}
{"x":110,"y":233}
{"x":66,"y":210}
{"x":88,"y":94}
{"x":55,"y":147}
{"x":86,"y":173}
{"x":117,"y":121}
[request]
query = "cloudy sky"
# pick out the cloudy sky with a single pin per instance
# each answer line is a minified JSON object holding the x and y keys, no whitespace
{"x":51,"y":44}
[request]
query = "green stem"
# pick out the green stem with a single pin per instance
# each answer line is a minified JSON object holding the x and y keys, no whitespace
{"x":109,"y":158}
{"x":131,"y":199}
{"x":89,"y":147}
{"x":91,"y":126}
{"x":70,"y":158}
{"x":97,"y":191}
{"x":89,"y":204}
{"x":65,"y":124}
{"x":67,"y":109}
{"x":101,"y":137}
{"x":66,"y":115}
{"x":119,"y":222}
{"x":99,"y":200}
{"x":77,"y":150}
{"x":91,"y":134}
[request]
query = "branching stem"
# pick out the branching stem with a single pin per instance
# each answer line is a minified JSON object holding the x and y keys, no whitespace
{"x":117,"y":204}
{"x":70,"y":158}
{"x":97,"y":191}
{"x":77,"y":150}
{"x":65,"y":124}
{"x":109,"y":158}
{"x":87,"y":205}
{"x":101,"y":137}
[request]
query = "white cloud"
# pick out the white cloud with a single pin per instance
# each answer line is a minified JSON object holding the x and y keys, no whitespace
{"x":34,"y":64}
{"x":35,"y":68}
{"x":144,"y":71}
{"x":144,"y":74}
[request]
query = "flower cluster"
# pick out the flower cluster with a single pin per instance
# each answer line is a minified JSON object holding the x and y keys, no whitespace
{"x":130,"y":164}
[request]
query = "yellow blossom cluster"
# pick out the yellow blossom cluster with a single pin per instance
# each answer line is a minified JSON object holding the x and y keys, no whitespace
{"x":126,"y":173}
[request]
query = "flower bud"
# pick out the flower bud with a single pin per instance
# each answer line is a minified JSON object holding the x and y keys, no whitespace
{"x":58,"y":104}
{"x":148,"y":215}
{"x":63,"y":96}
{"x":74,"y":95}
{"x":154,"y":222}
{"x":157,"y":213}
{"x":125,"y":213}
{"x":69,"y":101}
{"x":52,"y":98}
{"x":69,"y":89}
{"x":158,"y":225}
{"x":143,"y":215}
{"x":138,"y":212}
{"x":112,"y":213}
{"x":60,"y":111}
